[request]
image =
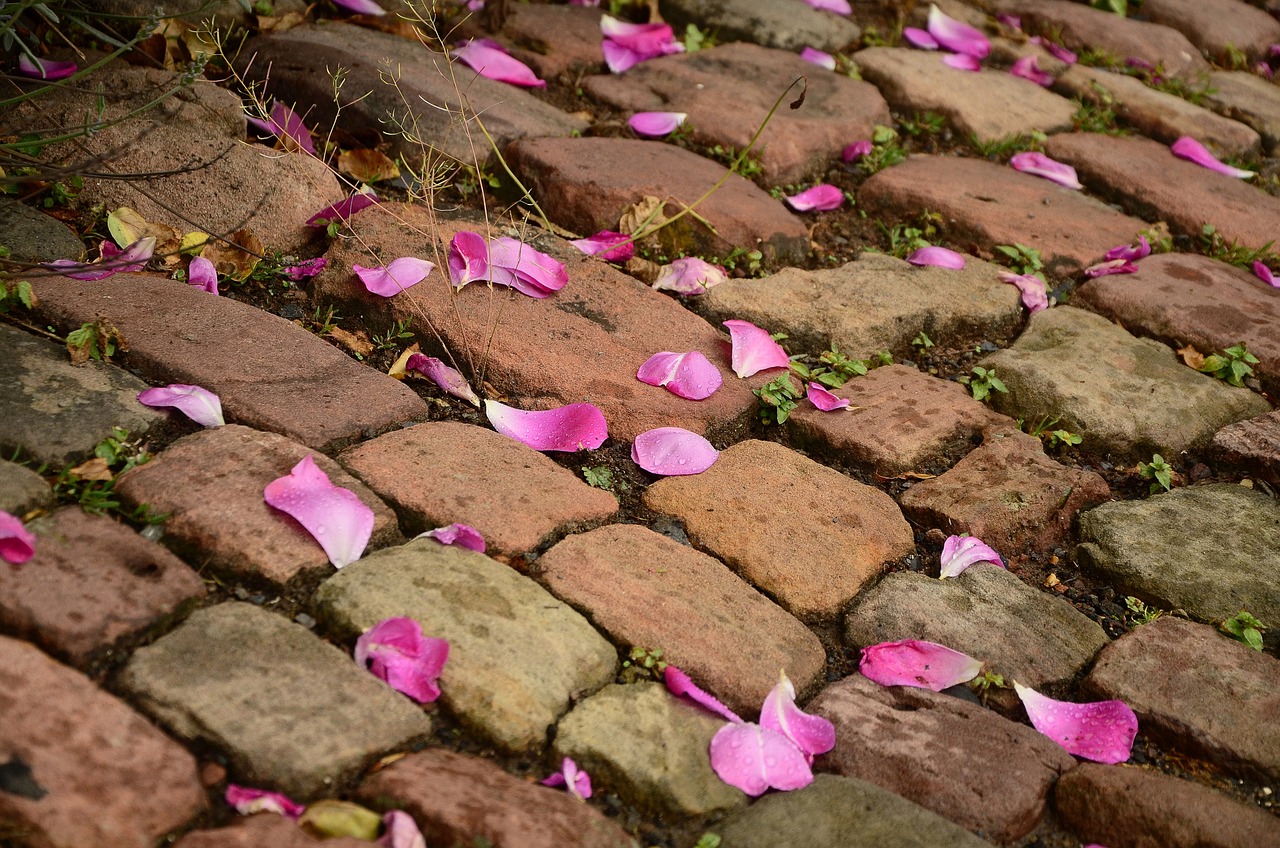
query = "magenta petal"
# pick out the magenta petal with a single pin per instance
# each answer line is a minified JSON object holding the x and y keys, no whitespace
{"x":962,"y":62}
{"x":939,"y":257}
{"x":960,"y":552}
{"x":840,"y":7}
{"x":200,"y":405}
{"x":306,"y":269}
{"x":246,"y":801}
{"x":461,"y":535}
{"x":1011,"y":21}
{"x":821,"y":198}
{"x":202,"y":274}
{"x":655,"y":124}
{"x":754,"y":350}
{"x":399,"y":830}
{"x":532,"y":272}
{"x":919,"y":38}
{"x":856,"y":151}
{"x":361,"y":7}
{"x":1265,"y":274}
{"x":914,"y":662}
{"x":1058,"y":52}
{"x":577,"y":781}
{"x":44,"y":69}
{"x":817,"y":57}
{"x":626,"y":44}
{"x":810,"y":733}
{"x":17,"y":543}
{"x":682,"y":686}
{"x":487,"y":59}
{"x":1128,"y":252}
{"x":396,"y":651}
{"x":1034,"y":296}
{"x":391,"y":279}
{"x":285,"y":123}
{"x":1029,"y":69}
{"x":673,"y":452}
{"x":610,"y":246}
{"x":689,"y":276}
{"x":689,"y":375}
{"x":956,"y":35}
{"x":468,"y":258}
{"x":754,"y":759}
{"x":578,"y":426}
{"x":334,"y":516}
{"x":1102,"y":731}
{"x":111,"y":260}
{"x":448,"y":379}
{"x":1111,"y":266}
{"x":1037,"y":164}
{"x":1193,"y":151}
{"x":343,"y":209}
{"x":825,"y":399}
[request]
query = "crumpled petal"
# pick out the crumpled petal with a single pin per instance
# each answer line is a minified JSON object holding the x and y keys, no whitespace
{"x":395,"y":651}
{"x":960,"y":552}
{"x":754,"y":759}
{"x":1111,"y":266}
{"x":1193,"y":151}
{"x":673,"y":452}
{"x":754,"y":349}
{"x":626,"y":45}
{"x":1128,"y":252}
{"x":819,"y":58}
{"x":915,"y":662}
{"x":399,"y":830}
{"x":448,"y":379}
{"x":203,"y":275}
{"x":343,"y":209}
{"x":840,"y":7}
{"x":656,"y":124}
{"x":1101,"y":731}
{"x":608,"y":245}
{"x":682,"y":686}
{"x":1034,"y":295}
{"x":688,"y":375}
{"x":1262,"y":272}
{"x":460,"y":535}
{"x":1058,"y":52}
{"x":283,"y":122}
{"x":939,"y":257}
{"x":576,"y":780}
{"x":391,"y":279}
{"x":824,"y":399}
{"x":962,"y":62}
{"x":1029,"y":69}
{"x":920,"y":38}
{"x":578,"y":426}
{"x":306,"y":269}
{"x":812,"y":734}
{"x":199,"y":404}
{"x":334,"y":516}
{"x":854,"y":152}
{"x":112,"y":260}
{"x":468,"y":258}
{"x":957,"y":35}
{"x":17,"y":543}
{"x":1037,"y":164}
{"x":532,"y":272}
{"x":821,"y":198}
{"x":361,"y":7}
{"x":490,"y":60}
{"x":44,"y":69}
{"x":689,"y":276}
{"x":246,"y":801}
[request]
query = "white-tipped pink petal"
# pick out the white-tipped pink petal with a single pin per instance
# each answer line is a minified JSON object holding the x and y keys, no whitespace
{"x":825,"y":399}
{"x":840,"y":7}
{"x":938,"y":257}
{"x":246,"y":801}
{"x":821,"y":198}
{"x":962,"y":62}
{"x":812,"y":734}
{"x":1193,"y":151}
{"x":202,"y":274}
{"x":754,"y":350}
{"x":490,"y":60}
{"x":1039,"y":165}
{"x":1101,"y":731}
{"x":608,"y":245}
{"x":855,"y":151}
{"x":682,"y":686}
{"x":283,"y":122}
{"x":343,"y":209}
{"x":1034,"y":295}
{"x":399,"y":830}
{"x":572,"y":778}
{"x":1262,"y":272}
{"x":689,"y":276}
{"x":361,"y":7}
{"x":199,"y":404}
{"x":1128,"y":252}
{"x":391,"y":279}
{"x":527,"y":270}
{"x":468,"y":258}
{"x":957,"y":35}
{"x":1029,"y":69}
{"x":459,"y":535}
{"x":1111,"y":266}
{"x":334,"y":516}
{"x":656,"y":124}
{"x":17,"y":543}
{"x":578,"y":426}
{"x":915,"y":662}
{"x":44,"y":69}
{"x":819,"y":58}
{"x":919,"y":38}
{"x":960,"y":552}
{"x":395,"y":651}
{"x":689,"y":375}
{"x":673,"y":452}
{"x":1058,"y":52}
{"x":448,"y":379}
{"x":754,"y":759}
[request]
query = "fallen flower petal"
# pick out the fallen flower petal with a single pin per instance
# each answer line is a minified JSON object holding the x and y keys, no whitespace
{"x":461,"y":535}
{"x":608,"y":245}
{"x":203,"y":275}
{"x":1039,"y":165}
{"x":1193,"y":151}
{"x":673,"y":452}
{"x":335,"y":517}
{"x":1112,"y":266}
{"x":529,"y":271}
{"x":577,"y":781}
{"x":468,"y":258}
{"x":578,"y":426}
{"x":655,"y":124}
{"x":939,"y":257}
{"x":960,"y":552}
{"x":284,"y":123}
{"x":1011,"y":21}
{"x":112,"y":260}
{"x":246,"y":801}
{"x":1034,"y":296}
{"x":1128,"y":252}
{"x":1101,"y":731}
{"x":199,"y":404}
{"x":626,"y":45}
{"x":682,"y":686}
{"x":840,"y":7}
{"x":1058,"y":52}
{"x":395,"y":651}
{"x":824,"y":398}
{"x":448,"y":379}
{"x":812,"y":734}
{"x":399,"y":830}
{"x":915,"y":662}
{"x":688,"y":375}
{"x":343,"y":209}
{"x":962,"y":62}
{"x":689,"y":276}
{"x":753,"y":349}
{"x":361,"y":7}
{"x":391,"y":279}
{"x":920,"y":38}
{"x":817,"y":57}
{"x":490,"y":60}
{"x":306,"y":269}
{"x":17,"y":543}
{"x":855,"y":151}
{"x":821,"y":198}
{"x":44,"y":69}
{"x":1265,"y":274}
{"x":1029,"y":69}
{"x":754,"y":759}
{"x":956,"y":35}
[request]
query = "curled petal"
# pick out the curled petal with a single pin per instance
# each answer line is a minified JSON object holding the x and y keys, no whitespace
{"x":361,"y":7}
{"x":343,"y":209}
{"x":1193,"y":151}
{"x":754,"y":349}
{"x":960,"y":552}
{"x":821,"y":198}
{"x":461,"y":535}
{"x":824,"y":399}
{"x":956,"y":35}
{"x":1265,"y":274}
{"x":391,"y":279}
{"x":468,"y":258}
{"x":246,"y":801}
{"x":914,"y":662}
{"x":1111,"y":266}
{"x":939,"y":257}
{"x":203,"y":275}
{"x":810,"y":733}
{"x":576,"y":780}
{"x":962,"y":62}
{"x":1128,"y":252}
{"x":688,"y":375}
{"x":919,"y":38}
{"x":334,"y":516}
{"x":112,"y":260}
{"x":655,"y":124}
{"x":610,"y":246}
{"x":1058,"y":52}
{"x":689,"y":276}
{"x":856,"y":151}
{"x":44,"y":69}
{"x":395,"y":651}
{"x":1034,"y":296}
{"x":490,"y":60}
{"x":448,"y":379}
{"x":306,"y":269}
{"x":840,"y":7}
{"x":399,"y":830}
{"x":673,"y":452}
{"x":682,"y":686}
{"x":626,"y":45}
{"x":1102,"y":731}
{"x":17,"y":543}
{"x":578,"y":426}
{"x":754,"y":759}
{"x":1029,"y":69}
{"x":529,"y":271}
{"x":199,"y":404}
{"x":1037,"y":164}
{"x":283,"y":123}
{"x":817,"y":57}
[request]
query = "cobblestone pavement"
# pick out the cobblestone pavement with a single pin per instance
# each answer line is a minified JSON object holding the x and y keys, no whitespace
{"x":173,"y":633}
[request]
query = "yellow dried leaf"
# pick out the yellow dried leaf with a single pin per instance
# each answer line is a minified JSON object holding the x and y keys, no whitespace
{"x":368,"y":166}
{"x":1191,"y":356}
{"x":329,"y":819}
{"x":279,"y":23}
{"x":397,"y":369}
{"x":192,"y":242}
{"x":236,"y":260}
{"x":1051,"y":581}
{"x":94,"y":469}
{"x":126,"y":226}
{"x":357,"y":343}
{"x":646,"y":212}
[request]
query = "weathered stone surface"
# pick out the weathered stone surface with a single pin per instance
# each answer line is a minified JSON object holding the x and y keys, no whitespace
{"x":55,"y":412}
{"x":289,"y":711}
{"x":899,"y":419}
{"x":1165,"y":117}
{"x":99,"y":773}
{"x":875,"y":303}
{"x":1249,"y":99}
{"x":439,"y":473}
{"x":425,"y":87}
{"x":969,"y":765}
{"x":210,"y":483}
{"x":1197,"y":691}
{"x":726,"y":92}
{"x":1217,"y":25}
{"x":1253,"y":444}
{"x":553,"y":39}
{"x":91,"y":583}
{"x":32,"y":236}
{"x":785,"y":25}
{"x":733,"y":510}
{"x":1125,"y":395}
{"x":1117,"y":805}
{"x":21,"y":489}
{"x":643,"y":589}
{"x":458,"y":798}
{"x":985,"y":204}
{"x":516,"y":654}
{"x":1006,"y":492}
{"x":650,"y":748}
{"x":260,"y":830}
{"x":584,"y":343}
{"x":1210,"y":550}
{"x":990,"y":104}
{"x":1188,"y":299}
{"x":987,"y":613}
{"x":584,"y":184}
{"x":841,"y":812}
{"x":1145,"y":178}
{"x":270,"y":373}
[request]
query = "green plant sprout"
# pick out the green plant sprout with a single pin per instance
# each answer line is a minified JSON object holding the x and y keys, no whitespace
{"x":1055,"y":438}
{"x":778,"y":399}
{"x":645,"y":662}
{"x":924,"y":124}
{"x":17,"y":293}
{"x":95,"y":493}
{"x":1141,"y":613}
{"x":1008,"y":145}
{"x":1023,"y":259}
{"x":94,"y":340}
{"x":599,"y":476}
{"x":982,"y":382}
{"x":400,"y":331}
{"x":1243,"y":627}
{"x":1158,"y":471}
{"x":1231,"y":366}
{"x":708,"y":840}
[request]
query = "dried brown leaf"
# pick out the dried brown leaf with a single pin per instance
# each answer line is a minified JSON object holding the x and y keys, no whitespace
{"x":368,"y":166}
{"x":357,"y":343}
{"x":94,"y":469}
{"x":1191,"y":357}
{"x":647,"y":213}
{"x":236,"y":260}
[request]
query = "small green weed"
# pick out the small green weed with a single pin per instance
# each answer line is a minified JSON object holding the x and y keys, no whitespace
{"x":708,"y":840}
{"x":92,"y":484}
{"x":1231,"y":366}
{"x":400,"y":331}
{"x":697,"y":39}
{"x":923,"y":124}
{"x":749,"y":167}
{"x":1001,"y":148}
{"x":982,"y":382}
{"x":922,"y":341}
{"x":645,"y":662}
{"x":598,"y":475}
{"x":1023,"y":259}
{"x":16,"y":294}
{"x":1119,"y":7}
{"x":1140,"y":613}
{"x":1159,"y":472}
{"x":1055,"y":438}
{"x":324,"y":320}
{"x":1097,"y":115}
{"x":1215,"y":246}
{"x":61,"y":194}
{"x":1243,"y":627}
{"x":987,"y":681}
{"x":903,"y":240}
{"x":94,"y":340}
{"x":834,"y":369}
{"x":1159,"y":238}
{"x":885,"y":151}
{"x":742,"y":259}
{"x":778,"y":398}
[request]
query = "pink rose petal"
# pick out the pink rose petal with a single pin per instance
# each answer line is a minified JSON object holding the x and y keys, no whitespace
{"x":361,"y":7}
{"x":656,"y":124}
{"x":395,"y":651}
{"x":448,"y":379}
{"x":1029,"y":69}
{"x":1058,"y":52}
{"x":821,"y":198}
{"x":1034,"y":296}
{"x":754,"y":759}
{"x":856,"y":151}
{"x":112,"y":260}
{"x":44,"y":69}
{"x":490,"y":60}
{"x":956,"y":35}
{"x":532,"y":272}
{"x":754,"y":350}
{"x":468,"y":258}
{"x":17,"y":543}
{"x":824,"y":399}
{"x":962,"y":62}
{"x":246,"y":801}
{"x":1039,"y":165}
{"x":689,"y":276}
{"x":306,"y":269}
{"x":1102,"y":731}
{"x":626,"y":45}
{"x":938,"y":257}
{"x":608,"y":245}
{"x":399,"y":830}
{"x":960,"y":552}
{"x":1111,"y":266}
{"x":578,"y":426}
{"x":673,"y":452}
{"x":919,"y":38}
{"x":343,"y":209}
{"x":334,"y":516}
{"x":577,"y":781}
{"x":812,"y":734}
{"x":391,"y":279}
{"x":688,"y":375}
{"x":200,"y":405}
{"x":461,"y":535}
{"x":1193,"y":151}
{"x":1011,"y":21}
{"x":1265,"y":274}
{"x":817,"y":57}
{"x":840,"y":7}
{"x":203,"y":275}
{"x":285,"y":123}
{"x":682,"y":686}
{"x":914,"y":662}
{"x":1128,"y":252}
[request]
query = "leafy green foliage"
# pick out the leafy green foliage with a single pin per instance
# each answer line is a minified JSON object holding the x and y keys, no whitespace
{"x":1120,"y":7}
{"x":740,"y":258}
{"x":324,"y":320}
{"x":708,"y":840}
{"x":1243,"y":627}
{"x":598,"y":475}
{"x":1054,"y":438}
{"x":1231,"y":366}
{"x":922,"y":341}
{"x":92,"y":484}
{"x":400,"y":331}
{"x":1001,"y":148}
{"x":15,"y":294}
{"x":748,"y":166}
{"x":982,"y":382}
{"x":1023,"y":259}
{"x":697,"y":39}
{"x":1213,"y":245}
{"x":1140,"y":613}
{"x":923,"y":124}
{"x":778,"y":398}
{"x":1097,"y":114}
{"x":988,"y":680}
{"x":1158,"y":471}
{"x":646,"y":663}
{"x":94,"y":340}
{"x":885,"y":151}
{"x":834,"y":368}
